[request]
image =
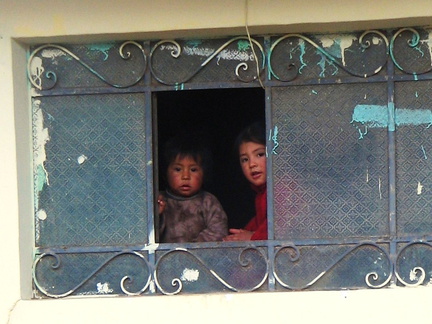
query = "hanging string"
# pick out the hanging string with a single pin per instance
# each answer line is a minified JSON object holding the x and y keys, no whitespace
{"x":251,"y":44}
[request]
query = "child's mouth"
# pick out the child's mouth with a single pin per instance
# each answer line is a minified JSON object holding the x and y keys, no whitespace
{"x":256,"y":174}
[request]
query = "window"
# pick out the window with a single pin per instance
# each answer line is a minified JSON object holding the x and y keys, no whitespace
{"x":348,"y":191}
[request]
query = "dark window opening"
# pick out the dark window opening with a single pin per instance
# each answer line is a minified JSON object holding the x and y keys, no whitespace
{"x":219,"y":116}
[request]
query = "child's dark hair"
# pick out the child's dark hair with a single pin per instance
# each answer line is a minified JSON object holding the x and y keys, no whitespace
{"x":190,"y":145}
{"x":253,"y":133}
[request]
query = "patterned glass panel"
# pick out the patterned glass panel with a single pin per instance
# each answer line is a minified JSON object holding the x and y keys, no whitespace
{"x":413,"y":117}
{"x":90,"y":170}
{"x":330,"y":161}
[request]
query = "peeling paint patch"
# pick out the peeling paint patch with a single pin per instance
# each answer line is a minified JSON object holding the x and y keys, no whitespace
{"x":237,"y":55}
{"x":190,"y":275}
{"x":375,"y":116}
{"x":41,"y":137}
{"x":371,"y":115}
{"x":37,"y":70}
{"x":419,"y":188}
{"x":230,"y":55}
{"x":102,"y":48}
{"x":196,"y":51}
{"x":103,"y":288}
{"x":81,"y":159}
{"x":424,"y":152}
{"x":52,"y":53}
{"x":429,"y":42}
{"x":337,"y":45}
{"x":41,"y":214}
{"x":274,"y":138}
{"x":194,"y":42}
{"x":243,"y":45}
{"x":179,"y":86}
{"x":413,"y":275}
{"x":379,"y":187}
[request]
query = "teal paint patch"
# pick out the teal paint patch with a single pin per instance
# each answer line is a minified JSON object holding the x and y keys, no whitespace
{"x":302,"y":47}
{"x":101,"y":48}
{"x":274,"y":138}
{"x":424,"y":152}
{"x":413,"y":117}
{"x":41,"y":178}
{"x":370,"y":115}
{"x":323,"y":64}
{"x":194,"y":43}
{"x":335,"y":49}
{"x":243,"y":45}
{"x":179,"y":86}
{"x":375,"y":116}
{"x":391,"y":116}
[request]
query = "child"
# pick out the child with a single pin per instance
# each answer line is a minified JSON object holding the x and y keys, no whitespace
{"x":251,"y":147}
{"x":188,"y":213}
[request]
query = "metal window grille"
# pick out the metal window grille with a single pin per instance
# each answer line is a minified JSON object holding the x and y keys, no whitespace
{"x":349,"y":194}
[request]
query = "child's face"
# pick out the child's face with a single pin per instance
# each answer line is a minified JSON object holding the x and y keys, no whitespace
{"x":253,"y":162}
{"x":185,"y":176}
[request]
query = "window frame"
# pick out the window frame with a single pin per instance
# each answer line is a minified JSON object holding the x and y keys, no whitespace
{"x":272,"y":247}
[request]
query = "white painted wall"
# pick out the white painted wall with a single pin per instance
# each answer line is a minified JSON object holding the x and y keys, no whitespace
{"x":27,"y":22}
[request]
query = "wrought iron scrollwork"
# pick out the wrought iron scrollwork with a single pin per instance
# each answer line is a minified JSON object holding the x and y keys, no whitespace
{"x":35,"y":77}
{"x":242,"y":259}
{"x":417,"y":273}
{"x":56,"y":265}
{"x":414,"y":44}
{"x":370,"y":277}
{"x":176,"y":51}
{"x":365,"y":44}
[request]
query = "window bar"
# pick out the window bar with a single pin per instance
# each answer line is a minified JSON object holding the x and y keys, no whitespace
{"x":392,"y":168}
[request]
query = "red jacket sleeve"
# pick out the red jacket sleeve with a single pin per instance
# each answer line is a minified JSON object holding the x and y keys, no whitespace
{"x":260,"y":233}
{"x":258,"y":224}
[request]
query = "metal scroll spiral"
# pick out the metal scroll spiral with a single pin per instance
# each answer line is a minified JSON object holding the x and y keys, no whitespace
{"x":365,"y":45}
{"x":418,"y":273}
{"x":56,"y":264}
{"x":36,"y":79}
{"x":177,"y":51}
{"x":370,"y":277}
{"x":413,"y":43}
{"x":178,"y":285}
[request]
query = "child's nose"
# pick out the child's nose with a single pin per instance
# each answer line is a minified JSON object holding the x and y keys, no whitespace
{"x":185,"y":174}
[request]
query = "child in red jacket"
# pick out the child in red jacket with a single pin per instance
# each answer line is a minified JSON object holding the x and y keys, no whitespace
{"x":252,"y":155}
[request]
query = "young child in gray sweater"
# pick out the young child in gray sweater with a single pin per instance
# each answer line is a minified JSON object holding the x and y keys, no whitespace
{"x":188,"y":213}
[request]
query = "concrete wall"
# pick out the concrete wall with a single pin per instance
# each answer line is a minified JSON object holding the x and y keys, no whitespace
{"x":27,"y":22}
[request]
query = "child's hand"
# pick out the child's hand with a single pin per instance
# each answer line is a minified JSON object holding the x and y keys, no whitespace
{"x":162,"y":203}
{"x":238,"y":235}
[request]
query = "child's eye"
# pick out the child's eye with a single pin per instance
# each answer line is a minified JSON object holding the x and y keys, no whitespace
{"x":194,"y":169}
{"x":243,"y":160}
{"x":177,"y":169}
{"x":261,"y":154}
